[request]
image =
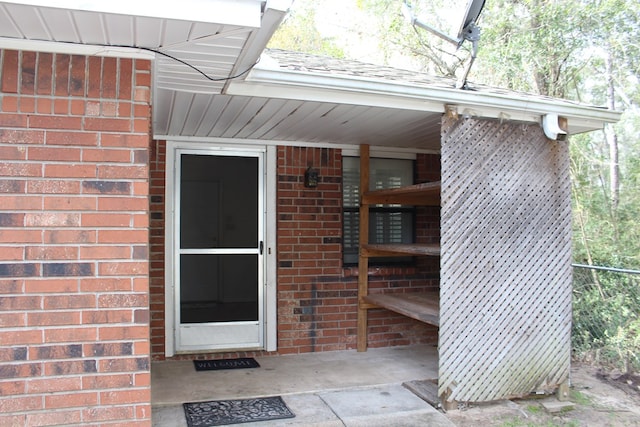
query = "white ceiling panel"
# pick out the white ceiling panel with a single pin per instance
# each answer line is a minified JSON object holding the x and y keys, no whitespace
{"x":59,"y":24}
{"x":9,"y":28}
{"x":277,"y":113}
{"x":178,"y":112}
{"x":232,"y":111}
{"x":162,"y":108}
{"x":324,"y":121}
{"x":214,"y":54}
{"x":27,"y":21}
{"x":147,"y":32}
{"x":119,"y":31}
{"x":212,"y":115}
{"x":268,"y":107}
{"x":179,"y":32}
{"x":309,"y":127}
{"x":223,"y":116}
{"x":196,"y":116}
{"x":245,"y":13}
{"x":244,"y":117}
{"x":89,"y":29}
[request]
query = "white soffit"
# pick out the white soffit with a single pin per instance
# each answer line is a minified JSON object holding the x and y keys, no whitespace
{"x":285,"y":121}
{"x":188,"y":39}
{"x":208,"y":34}
{"x":228,"y":12}
{"x":270,"y":80}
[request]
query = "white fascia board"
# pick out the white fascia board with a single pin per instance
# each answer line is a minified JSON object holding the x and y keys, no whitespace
{"x":245,"y":13}
{"x":301,"y":85}
{"x":274,"y":13}
{"x":74,"y":49}
{"x":337,"y":96}
{"x":279,"y":5}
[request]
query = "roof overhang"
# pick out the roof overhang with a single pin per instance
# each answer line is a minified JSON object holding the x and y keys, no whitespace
{"x":268,"y":79}
{"x":242,"y":99}
{"x":216,"y":37}
{"x":227,"y":12}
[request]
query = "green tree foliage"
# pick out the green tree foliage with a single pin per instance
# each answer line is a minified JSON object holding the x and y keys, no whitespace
{"x":427,"y":52}
{"x":535,"y":45}
{"x":606,"y":327}
{"x":606,"y":233}
{"x":299,"y":33}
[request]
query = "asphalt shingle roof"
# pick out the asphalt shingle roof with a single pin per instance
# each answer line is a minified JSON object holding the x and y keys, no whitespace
{"x":299,"y":61}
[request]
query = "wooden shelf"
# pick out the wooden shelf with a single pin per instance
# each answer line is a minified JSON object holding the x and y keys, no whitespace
{"x":425,"y":194}
{"x":424,"y":307}
{"x":400,"y":250}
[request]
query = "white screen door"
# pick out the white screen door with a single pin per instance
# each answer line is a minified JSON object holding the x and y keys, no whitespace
{"x":219,"y":242}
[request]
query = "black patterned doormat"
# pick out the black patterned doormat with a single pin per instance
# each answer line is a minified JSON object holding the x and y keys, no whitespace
{"x":212,"y":365}
{"x":222,"y":412}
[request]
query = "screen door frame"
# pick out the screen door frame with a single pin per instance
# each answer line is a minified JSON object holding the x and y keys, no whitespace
{"x":179,"y":340}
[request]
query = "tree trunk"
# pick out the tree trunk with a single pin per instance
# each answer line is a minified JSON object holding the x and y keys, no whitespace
{"x":612,"y":140}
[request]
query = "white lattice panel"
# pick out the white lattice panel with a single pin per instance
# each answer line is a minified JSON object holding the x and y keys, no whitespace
{"x":505,"y":291}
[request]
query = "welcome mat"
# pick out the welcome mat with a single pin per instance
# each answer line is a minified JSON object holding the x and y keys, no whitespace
{"x":212,"y":365}
{"x":221,"y":412}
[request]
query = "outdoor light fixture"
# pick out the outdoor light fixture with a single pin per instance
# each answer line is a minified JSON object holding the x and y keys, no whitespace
{"x":468,"y":31}
{"x":311,"y":178}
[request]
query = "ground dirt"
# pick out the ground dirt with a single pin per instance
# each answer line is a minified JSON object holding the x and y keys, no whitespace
{"x":599,"y":398}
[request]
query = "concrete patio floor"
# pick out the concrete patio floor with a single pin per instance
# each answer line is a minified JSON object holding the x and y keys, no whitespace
{"x":343,"y":388}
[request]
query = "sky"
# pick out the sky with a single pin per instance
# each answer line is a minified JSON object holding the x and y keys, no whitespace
{"x":350,"y":26}
{"x":357,"y":33}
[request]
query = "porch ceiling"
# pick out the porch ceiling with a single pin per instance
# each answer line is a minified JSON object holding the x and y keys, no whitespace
{"x":290,"y":120}
{"x":299,"y":98}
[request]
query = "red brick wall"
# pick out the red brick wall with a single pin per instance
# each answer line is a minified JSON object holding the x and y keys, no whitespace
{"x":317,"y":296}
{"x":314,"y":300}
{"x":156,"y":247}
{"x":74,"y":139}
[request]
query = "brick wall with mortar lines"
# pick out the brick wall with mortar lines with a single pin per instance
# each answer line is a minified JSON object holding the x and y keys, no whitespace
{"x":74,"y":140}
{"x":157,"y":175}
{"x":316,"y":293}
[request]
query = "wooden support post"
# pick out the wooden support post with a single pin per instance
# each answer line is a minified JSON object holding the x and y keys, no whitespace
{"x":448,"y":405}
{"x":363,"y":261}
{"x":562,"y":394}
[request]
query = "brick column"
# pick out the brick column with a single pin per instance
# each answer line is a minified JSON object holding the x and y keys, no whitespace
{"x":74,"y":214}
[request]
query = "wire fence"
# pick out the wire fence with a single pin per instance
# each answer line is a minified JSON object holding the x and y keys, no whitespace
{"x":606,"y":317}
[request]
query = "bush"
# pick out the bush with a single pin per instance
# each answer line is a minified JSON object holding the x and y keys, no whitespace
{"x":606,"y":326}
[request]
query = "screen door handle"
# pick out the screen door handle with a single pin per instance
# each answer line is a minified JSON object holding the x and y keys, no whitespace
{"x":261,"y":247}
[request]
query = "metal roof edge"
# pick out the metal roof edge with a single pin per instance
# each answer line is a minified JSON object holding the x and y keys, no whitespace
{"x":273,"y":14}
{"x":267,"y":79}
